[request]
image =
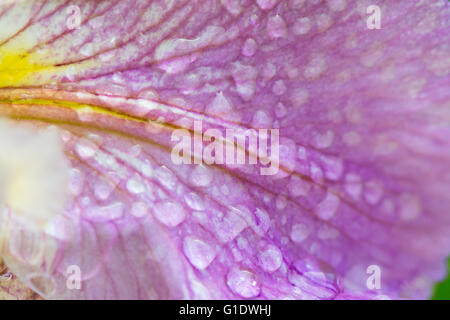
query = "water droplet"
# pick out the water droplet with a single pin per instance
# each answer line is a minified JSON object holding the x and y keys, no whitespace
{"x":266,"y":4}
{"x":301,"y":26}
{"x":316,"y":173}
{"x":147,"y":170}
{"x":269,"y":71}
{"x":373,"y":191}
{"x":261,"y":119}
{"x":103,"y":188}
{"x":324,"y":22}
{"x":280,"y":110}
{"x":60,"y":228}
{"x":194,"y":201}
{"x":271,"y":258}
{"x":249,"y":47}
{"x":220,"y":106}
{"x":230,"y":227}
{"x":170,"y":213}
{"x":326,"y":233}
{"x":298,"y":187}
{"x":281,"y":202}
{"x":243,"y":282}
{"x":279,"y":88}
{"x":135,"y":186}
{"x":296,"y":4}
{"x":139,"y":209}
{"x":199,"y":253}
{"x":276,"y":27}
{"x":316,"y":66}
{"x":299,"y":233}
{"x":85,"y":148}
{"x":327,"y":208}
{"x":201,"y":176}
{"x":322,"y":140}
{"x":333,"y":167}
{"x":232,"y":6}
{"x":135,"y":150}
{"x":105,"y":213}
{"x":353,"y":185}
{"x":166,"y":177}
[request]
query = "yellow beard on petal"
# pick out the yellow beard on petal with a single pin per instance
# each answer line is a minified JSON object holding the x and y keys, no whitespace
{"x":16,"y":68}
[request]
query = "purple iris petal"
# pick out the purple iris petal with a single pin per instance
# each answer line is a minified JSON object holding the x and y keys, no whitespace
{"x":363,"y":119}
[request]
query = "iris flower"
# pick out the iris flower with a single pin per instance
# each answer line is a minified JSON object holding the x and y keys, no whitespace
{"x":94,"y":207}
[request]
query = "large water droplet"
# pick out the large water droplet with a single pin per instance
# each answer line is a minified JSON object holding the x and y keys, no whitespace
{"x":243,"y":282}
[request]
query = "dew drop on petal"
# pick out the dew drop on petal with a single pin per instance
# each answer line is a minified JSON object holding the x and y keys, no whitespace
{"x":201,"y":176}
{"x":266,"y":4}
{"x":85,"y":149}
{"x":296,"y":4}
{"x":327,"y":208}
{"x":279,"y":88}
{"x":194,"y":201}
{"x":135,"y":187}
{"x":249,"y":47}
{"x":139,"y":209}
{"x":373,"y":191}
{"x":199,"y":253}
{"x":280,"y":110}
{"x":298,"y":187}
{"x":276,"y":27}
{"x":299,"y":232}
{"x":353,"y":185}
{"x":271,"y":258}
{"x":105,"y":213}
{"x":103,"y":188}
{"x":301,"y":26}
{"x":170,"y":213}
{"x":281,"y":202}
{"x":322,"y":140}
